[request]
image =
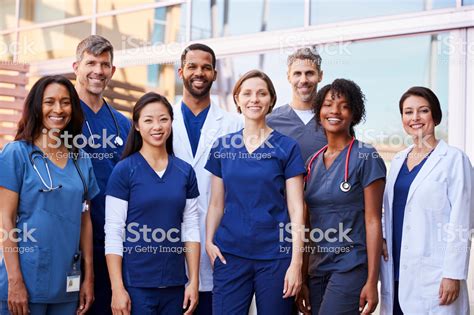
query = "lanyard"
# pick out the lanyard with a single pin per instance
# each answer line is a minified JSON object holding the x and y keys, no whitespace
{"x":345,"y":186}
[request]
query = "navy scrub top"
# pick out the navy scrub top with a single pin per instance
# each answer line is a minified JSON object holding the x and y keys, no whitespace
{"x":194,"y":125}
{"x":400,"y":193}
{"x":45,"y":260}
{"x":157,"y":202}
{"x":310,"y":137}
{"x":330,"y":208}
{"x":254,"y":201}
{"x":103,"y":158}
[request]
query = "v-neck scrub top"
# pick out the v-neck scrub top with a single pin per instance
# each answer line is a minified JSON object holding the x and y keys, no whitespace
{"x":330,"y":208}
{"x":54,"y":217}
{"x":310,"y":136}
{"x":400,"y":191}
{"x":254,"y":201}
{"x":157,"y":203}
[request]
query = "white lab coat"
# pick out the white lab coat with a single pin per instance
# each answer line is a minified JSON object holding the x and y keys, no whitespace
{"x":218,"y":123}
{"x":439,"y":205}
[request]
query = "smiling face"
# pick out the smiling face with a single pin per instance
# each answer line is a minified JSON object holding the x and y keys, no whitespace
{"x":154,"y":124}
{"x":336,"y":114}
{"x":197,"y":73}
{"x":417,"y":117}
{"x":56,"y":107}
{"x":304,"y":77}
{"x":254,"y":99}
{"x":93,"y":73}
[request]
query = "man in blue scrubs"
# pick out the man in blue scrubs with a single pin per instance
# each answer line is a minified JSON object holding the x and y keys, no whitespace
{"x":106,"y":130}
{"x":198,"y":122}
{"x":296,"y":119}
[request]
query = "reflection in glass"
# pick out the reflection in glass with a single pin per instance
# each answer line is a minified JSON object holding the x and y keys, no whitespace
{"x":8,"y":20}
{"x":52,"y":42}
{"x":32,"y":12}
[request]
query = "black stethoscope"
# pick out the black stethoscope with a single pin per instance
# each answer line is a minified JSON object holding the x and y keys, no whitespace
{"x":117,"y":140}
{"x":37,"y":153}
{"x":345,"y":186}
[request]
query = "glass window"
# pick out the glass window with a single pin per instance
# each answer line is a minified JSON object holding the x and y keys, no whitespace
{"x":109,"y":5}
{"x":32,"y":12}
{"x":52,"y":42}
{"x":8,"y":20}
{"x":329,"y":11}
{"x":157,"y":26}
{"x":7,"y":46}
{"x":468,"y":2}
{"x":278,"y":13}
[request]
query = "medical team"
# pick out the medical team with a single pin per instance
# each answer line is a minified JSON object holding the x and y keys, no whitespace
{"x":199,"y":210}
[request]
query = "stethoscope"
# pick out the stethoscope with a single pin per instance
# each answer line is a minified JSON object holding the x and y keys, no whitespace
{"x":345,"y":186}
{"x":37,"y":153}
{"x":117,"y":140}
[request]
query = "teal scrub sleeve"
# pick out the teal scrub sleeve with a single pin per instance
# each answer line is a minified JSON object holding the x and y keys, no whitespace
{"x":372,"y":167}
{"x":118,"y":185}
{"x":192,"y":186}
{"x":12,"y":167}
{"x":294,"y":165}
{"x":214,"y":162}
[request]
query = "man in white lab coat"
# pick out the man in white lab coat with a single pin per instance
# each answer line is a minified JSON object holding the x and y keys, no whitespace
{"x":197,"y":124}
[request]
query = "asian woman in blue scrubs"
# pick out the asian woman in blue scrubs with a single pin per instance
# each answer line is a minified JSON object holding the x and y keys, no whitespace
{"x":427,"y":217}
{"x":344,"y":189}
{"x":152,"y":221}
{"x":45,"y":186}
{"x":253,"y":171}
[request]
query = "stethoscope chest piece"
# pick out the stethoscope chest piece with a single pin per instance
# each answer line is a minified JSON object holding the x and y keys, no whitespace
{"x":345,"y":186}
{"x":118,"y":141}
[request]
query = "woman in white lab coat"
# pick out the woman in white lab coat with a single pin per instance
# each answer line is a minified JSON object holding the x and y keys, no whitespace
{"x":427,"y":218}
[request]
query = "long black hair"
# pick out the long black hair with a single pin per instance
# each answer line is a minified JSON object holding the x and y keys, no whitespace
{"x":134,"y":139}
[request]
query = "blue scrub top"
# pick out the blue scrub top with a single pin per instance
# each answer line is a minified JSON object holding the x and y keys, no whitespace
{"x":158,"y":203}
{"x":103,"y":159}
{"x":194,"y":125}
{"x":46,"y":259}
{"x":330,"y":208}
{"x":400,"y":193}
{"x":310,"y":136}
{"x":254,"y":201}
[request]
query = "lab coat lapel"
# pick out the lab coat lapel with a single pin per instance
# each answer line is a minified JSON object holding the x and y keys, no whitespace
{"x":395,"y":167}
{"x":179,"y":131}
{"x":425,"y":170}
{"x":209,"y":132}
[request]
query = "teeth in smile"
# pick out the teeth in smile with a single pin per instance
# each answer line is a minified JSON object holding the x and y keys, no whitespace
{"x":334,"y":119}
{"x":417,"y":126}
{"x":56,"y":118}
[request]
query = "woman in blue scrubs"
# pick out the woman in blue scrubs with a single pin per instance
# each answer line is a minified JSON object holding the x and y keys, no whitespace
{"x":427,"y":217}
{"x":45,"y":186}
{"x":152,"y":221}
{"x":253,"y":171}
{"x":344,"y":189}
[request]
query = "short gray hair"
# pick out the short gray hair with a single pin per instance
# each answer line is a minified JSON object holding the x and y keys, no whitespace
{"x":307,"y":53}
{"x":95,"y":45}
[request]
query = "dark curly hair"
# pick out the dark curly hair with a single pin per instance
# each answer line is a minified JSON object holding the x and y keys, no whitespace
{"x":353,"y":94}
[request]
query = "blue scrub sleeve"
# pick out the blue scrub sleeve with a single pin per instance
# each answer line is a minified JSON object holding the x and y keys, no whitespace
{"x":118,"y":185}
{"x":294,"y":165}
{"x":92,"y":186}
{"x":371,"y":168}
{"x":213,"y":164}
{"x":12,"y":167}
{"x":192,"y":187}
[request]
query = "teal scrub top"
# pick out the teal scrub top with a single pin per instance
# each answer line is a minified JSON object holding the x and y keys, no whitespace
{"x":49,"y":222}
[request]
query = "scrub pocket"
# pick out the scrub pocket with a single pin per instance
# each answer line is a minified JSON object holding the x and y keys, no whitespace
{"x":35,"y":268}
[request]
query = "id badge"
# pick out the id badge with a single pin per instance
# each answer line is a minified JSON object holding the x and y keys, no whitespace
{"x":85,"y":206}
{"x":73,"y":281}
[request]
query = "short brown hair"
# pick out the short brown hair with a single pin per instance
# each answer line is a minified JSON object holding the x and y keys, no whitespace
{"x":429,"y":96}
{"x":255,"y":74}
{"x":95,"y":45}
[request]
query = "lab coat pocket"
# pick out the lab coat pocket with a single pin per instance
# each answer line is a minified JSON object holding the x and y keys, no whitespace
{"x":35,"y":267}
{"x":430,"y":280}
{"x":433,"y":195}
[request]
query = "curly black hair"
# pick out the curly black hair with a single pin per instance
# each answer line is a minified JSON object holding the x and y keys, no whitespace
{"x":351,"y":91}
